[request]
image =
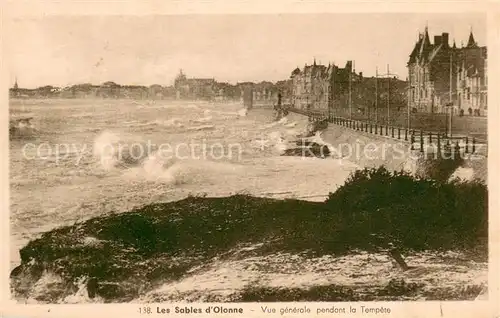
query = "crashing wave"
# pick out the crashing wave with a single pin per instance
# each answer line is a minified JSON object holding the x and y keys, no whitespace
{"x":462,"y":173}
{"x":274,"y":141}
{"x":283,"y":120}
{"x":112,"y":150}
{"x":157,"y":167}
{"x":242,"y":112}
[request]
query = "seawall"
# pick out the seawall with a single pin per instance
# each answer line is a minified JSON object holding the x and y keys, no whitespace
{"x":369,"y":150}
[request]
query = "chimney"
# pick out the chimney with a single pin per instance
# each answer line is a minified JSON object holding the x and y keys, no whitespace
{"x":348,"y":66}
{"x":437,"y":40}
{"x":444,"y":39}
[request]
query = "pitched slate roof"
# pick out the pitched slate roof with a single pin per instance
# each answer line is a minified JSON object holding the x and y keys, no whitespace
{"x":425,"y":51}
{"x":416,"y":49}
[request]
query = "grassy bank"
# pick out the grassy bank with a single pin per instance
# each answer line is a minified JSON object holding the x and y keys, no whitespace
{"x":121,"y":256}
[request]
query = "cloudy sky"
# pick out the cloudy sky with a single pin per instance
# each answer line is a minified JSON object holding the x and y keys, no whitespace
{"x":144,"y":50}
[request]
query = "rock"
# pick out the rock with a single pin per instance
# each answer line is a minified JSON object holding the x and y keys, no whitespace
{"x":117,"y":257}
{"x":308,"y":149}
{"x":316,"y":126}
{"x":483,"y":295}
{"x":24,"y":276}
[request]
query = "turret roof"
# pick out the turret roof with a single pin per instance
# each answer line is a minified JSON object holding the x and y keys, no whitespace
{"x":471,"y":42}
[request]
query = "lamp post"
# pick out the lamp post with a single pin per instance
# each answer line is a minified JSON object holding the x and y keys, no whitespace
{"x":450,"y":106}
{"x":388,"y":95}
{"x":376,"y":95}
{"x":350,"y":93}
{"x":410,"y":88}
{"x":450,"y":103}
{"x":389,"y":76}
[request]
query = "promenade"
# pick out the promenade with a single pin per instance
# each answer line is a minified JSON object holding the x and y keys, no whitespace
{"x":419,"y":138}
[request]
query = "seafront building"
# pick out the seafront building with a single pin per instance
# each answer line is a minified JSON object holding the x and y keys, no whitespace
{"x":472,"y":79}
{"x":317,"y":86}
{"x":442,"y":75}
{"x":194,"y":88}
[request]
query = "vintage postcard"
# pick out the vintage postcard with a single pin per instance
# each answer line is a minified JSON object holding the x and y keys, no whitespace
{"x":254,"y":162}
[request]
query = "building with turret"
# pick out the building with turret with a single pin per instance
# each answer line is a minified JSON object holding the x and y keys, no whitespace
{"x":440,"y":74}
{"x":317,"y":87}
{"x":472,"y":79}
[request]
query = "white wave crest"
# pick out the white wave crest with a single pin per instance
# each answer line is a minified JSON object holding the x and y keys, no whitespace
{"x":202,"y":127}
{"x":273,"y":141}
{"x":462,"y":173}
{"x":242,"y":112}
{"x":283,"y":120}
{"x":320,"y":141}
{"x":157,"y":167}
{"x":202,"y":120}
{"x":173,"y":122}
{"x":270,"y":125}
{"x":113,"y":150}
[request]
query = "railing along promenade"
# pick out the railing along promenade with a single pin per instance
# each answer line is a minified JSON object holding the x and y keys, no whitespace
{"x":418,"y":139}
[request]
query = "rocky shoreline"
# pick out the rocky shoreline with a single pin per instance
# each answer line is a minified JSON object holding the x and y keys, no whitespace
{"x":308,"y":146}
{"x":145,"y":253}
{"x":21,"y":128}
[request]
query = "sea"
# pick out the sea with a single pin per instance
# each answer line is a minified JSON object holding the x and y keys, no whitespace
{"x":80,"y":159}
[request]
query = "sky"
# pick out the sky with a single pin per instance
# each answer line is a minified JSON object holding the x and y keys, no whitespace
{"x":146,"y":50}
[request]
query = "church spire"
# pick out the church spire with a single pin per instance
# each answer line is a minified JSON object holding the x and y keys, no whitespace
{"x":454,"y":44}
{"x":15,"y":84}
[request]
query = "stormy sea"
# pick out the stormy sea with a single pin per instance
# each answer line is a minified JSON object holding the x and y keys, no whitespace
{"x":99,"y":213}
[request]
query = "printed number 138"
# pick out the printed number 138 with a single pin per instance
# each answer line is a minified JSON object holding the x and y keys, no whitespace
{"x":145,"y":310}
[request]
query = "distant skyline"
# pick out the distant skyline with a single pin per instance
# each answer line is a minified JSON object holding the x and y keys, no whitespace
{"x":146,"y":50}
